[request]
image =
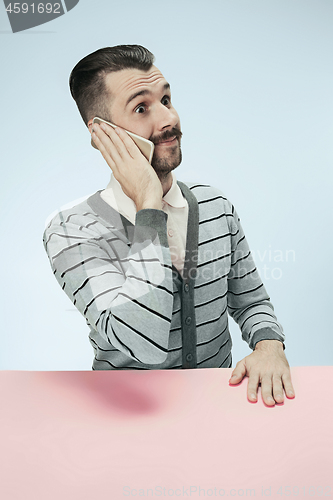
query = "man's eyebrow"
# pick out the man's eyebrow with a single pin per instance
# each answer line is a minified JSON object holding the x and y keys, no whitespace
{"x":144,"y":92}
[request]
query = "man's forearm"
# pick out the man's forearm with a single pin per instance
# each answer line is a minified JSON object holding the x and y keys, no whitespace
{"x":125,"y":293}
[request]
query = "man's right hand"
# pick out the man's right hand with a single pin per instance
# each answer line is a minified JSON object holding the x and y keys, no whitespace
{"x":131,"y":169}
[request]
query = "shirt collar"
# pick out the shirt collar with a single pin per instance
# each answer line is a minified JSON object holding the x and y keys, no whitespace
{"x":173,"y":197}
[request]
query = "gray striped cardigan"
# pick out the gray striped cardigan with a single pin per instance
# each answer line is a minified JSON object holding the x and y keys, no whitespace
{"x":142,"y":314}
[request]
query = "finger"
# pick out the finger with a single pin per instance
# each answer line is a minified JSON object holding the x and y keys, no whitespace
{"x":278,"y":389}
{"x":267,"y":390}
{"x":116,"y":142}
{"x":252,"y":386}
{"x":288,"y":386}
{"x":131,"y":147}
{"x":124,"y":144}
{"x":111,"y":141}
{"x":239,"y":373}
{"x":105,"y":153}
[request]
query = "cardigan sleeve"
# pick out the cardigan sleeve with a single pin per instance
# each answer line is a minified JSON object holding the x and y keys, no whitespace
{"x":123,"y":289}
{"x":248,"y":302}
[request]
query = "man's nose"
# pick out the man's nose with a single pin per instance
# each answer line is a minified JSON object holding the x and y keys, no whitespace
{"x":166,"y":118}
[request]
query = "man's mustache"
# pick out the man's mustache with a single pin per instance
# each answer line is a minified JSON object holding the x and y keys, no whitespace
{"x":166,"y":135}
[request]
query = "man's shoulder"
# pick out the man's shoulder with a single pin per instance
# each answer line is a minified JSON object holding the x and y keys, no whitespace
{"x":205,"y":193}
{"x":73,"y":211}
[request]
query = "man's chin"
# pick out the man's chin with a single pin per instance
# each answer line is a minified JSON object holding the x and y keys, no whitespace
{"x":163,"y":166}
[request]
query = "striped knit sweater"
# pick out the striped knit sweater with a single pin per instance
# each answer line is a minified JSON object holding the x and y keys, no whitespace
{"x":142,"y":314}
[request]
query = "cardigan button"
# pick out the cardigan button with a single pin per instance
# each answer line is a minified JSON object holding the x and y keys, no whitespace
{"x":189,"y":357}
{"x":186,"y":287}
{"x":188,"y":320}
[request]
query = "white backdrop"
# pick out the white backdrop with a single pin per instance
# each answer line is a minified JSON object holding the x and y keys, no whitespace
{"x":252,"y":82}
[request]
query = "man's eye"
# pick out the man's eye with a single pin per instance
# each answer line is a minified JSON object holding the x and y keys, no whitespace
{"x":166,"y":100}
{"x":140,"y":109}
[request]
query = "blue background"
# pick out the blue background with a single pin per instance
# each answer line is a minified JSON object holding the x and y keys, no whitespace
{"x":252,"y":82}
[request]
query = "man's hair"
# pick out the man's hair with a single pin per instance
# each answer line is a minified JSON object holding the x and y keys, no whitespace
{"x":87,"y":79}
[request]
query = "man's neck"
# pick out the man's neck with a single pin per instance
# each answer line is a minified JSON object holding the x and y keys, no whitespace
{"x":166,"y":182}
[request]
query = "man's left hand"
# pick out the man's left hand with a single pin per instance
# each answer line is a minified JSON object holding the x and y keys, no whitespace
{"x":266,"y":365}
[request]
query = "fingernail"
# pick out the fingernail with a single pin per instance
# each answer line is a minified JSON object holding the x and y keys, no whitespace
{"x":253,"y":396}
{"x":117,"y":130}
{"x":102,"y":126}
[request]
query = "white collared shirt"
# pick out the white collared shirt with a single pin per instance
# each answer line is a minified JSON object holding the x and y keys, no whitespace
{"x":173,"y":203}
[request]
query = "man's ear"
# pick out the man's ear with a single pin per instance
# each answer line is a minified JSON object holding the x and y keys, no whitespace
{"x":90,"y":124}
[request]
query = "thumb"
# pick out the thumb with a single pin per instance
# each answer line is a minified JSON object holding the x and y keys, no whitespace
{"x":239,"y":372}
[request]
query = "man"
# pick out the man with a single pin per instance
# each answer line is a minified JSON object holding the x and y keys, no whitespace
{"x":154,"y":264}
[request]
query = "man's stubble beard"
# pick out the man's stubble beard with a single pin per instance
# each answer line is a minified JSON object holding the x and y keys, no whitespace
{"x":163,"y":166}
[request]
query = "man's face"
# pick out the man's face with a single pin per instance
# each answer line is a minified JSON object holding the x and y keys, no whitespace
{"x":140,"y":102}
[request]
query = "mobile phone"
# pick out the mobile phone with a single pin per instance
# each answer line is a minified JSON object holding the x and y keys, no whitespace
{"x":146,"y":147}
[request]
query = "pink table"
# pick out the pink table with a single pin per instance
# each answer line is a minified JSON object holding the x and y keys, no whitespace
{"x":162,"y":434}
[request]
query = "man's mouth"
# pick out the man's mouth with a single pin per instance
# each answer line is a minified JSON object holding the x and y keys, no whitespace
{"x":170,"y":141}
